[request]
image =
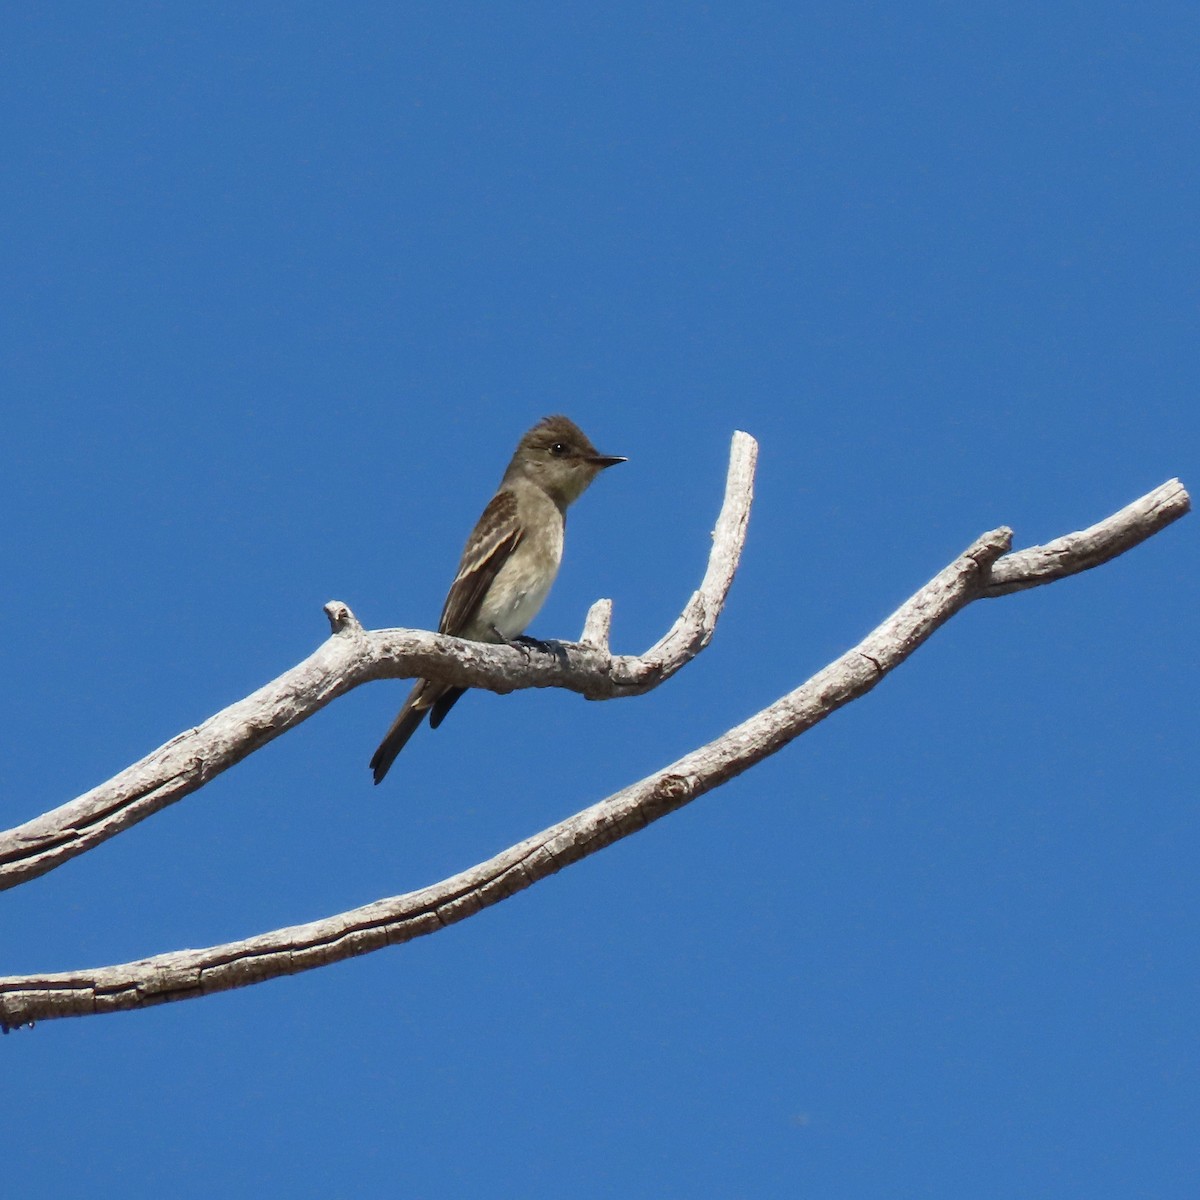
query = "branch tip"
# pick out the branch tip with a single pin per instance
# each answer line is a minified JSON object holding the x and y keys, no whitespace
{"x":341,"y":619}
{"x":597,"y":626}
{"x":1076,"y":552}
{"x":988,"y":547}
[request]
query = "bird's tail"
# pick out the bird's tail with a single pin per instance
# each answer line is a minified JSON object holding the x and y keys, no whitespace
{"x":403,"y":727}
{"x":442,"y":705}
{"x":424,"y":697}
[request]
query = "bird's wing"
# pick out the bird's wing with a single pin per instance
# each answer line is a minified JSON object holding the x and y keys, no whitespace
{"x":496,"y":535}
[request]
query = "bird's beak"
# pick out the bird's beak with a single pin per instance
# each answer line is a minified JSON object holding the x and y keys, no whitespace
{"x":604,"y":460}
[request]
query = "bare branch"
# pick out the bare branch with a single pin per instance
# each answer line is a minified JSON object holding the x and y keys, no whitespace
{"x":189,"y":973}
{"x":1089,"y":548}
{"x":353,"y":656}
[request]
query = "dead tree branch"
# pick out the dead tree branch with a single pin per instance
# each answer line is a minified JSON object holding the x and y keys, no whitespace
{"x":353,"y":656}
{"x":983,"y":570}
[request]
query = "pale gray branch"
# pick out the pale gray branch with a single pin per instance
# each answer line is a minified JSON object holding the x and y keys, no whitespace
{"x":1090,"y":547}
{"x":597,"y":627}
{"x":980,"y":571}
{"x":353,"y":656}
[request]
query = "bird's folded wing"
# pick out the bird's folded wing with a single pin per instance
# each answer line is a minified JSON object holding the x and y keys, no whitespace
{"x":493,"y":539}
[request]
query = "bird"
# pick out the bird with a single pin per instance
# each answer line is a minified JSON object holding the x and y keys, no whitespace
{"x":509,"y":562}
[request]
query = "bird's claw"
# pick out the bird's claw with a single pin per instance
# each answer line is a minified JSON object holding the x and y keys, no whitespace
{"x":522,"y":642}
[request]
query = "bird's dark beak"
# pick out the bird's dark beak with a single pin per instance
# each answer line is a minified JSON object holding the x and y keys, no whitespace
{"x":604,"y":460}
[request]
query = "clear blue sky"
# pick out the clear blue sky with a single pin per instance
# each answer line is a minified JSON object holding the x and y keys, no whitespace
{"x":284,"y":285}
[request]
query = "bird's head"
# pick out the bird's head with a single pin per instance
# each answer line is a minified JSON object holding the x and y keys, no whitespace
{"x":557,"y":456}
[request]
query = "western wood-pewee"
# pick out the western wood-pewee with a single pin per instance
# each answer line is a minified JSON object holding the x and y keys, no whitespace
{"x":509,"y":563}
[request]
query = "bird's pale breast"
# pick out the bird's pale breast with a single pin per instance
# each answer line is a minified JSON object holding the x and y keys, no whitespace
{"x":523,"y":582}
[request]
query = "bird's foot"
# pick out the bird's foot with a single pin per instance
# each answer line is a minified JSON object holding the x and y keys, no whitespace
{"x":523,"y":643}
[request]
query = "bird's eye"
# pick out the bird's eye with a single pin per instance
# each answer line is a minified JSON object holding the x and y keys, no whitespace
{"x":558,"y":449}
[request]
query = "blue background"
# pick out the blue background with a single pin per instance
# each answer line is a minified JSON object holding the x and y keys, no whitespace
{"x":285,"y":283}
